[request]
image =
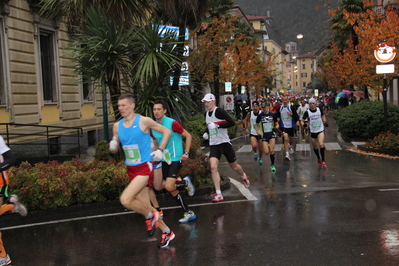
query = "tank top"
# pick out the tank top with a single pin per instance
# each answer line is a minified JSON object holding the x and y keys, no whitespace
{"x":315,"y":122}
{"x":286,"y":120}
{"x":216,"y":135}
{"x":175,"y":143}
{"x":252,"y":123}
{"x":135,"y":143}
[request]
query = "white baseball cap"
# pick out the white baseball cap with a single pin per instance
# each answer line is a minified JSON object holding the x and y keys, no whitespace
{"x":208,"y":97}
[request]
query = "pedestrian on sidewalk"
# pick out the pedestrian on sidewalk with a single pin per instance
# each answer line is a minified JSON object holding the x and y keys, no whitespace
{"x":250,"y":127}
{"x":133,"y":133}
{"x":217,"y":121}
{"x":167,"y":176}
{"x":12,"y":204}
{"x":315,"y":119}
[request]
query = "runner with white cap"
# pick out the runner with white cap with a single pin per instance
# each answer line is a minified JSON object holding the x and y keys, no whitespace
{"x":217,"y":121}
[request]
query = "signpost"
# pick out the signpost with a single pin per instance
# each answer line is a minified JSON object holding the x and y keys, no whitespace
{"x":385,"y":54}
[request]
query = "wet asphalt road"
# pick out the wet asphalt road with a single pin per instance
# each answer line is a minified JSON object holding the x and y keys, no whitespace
{"x":347,"y":214}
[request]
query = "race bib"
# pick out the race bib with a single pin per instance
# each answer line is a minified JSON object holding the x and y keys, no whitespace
{"x":132,"y":154}
{"x":267,"y":127}
{"x":214,"y":132}
{"x":316,"y":124}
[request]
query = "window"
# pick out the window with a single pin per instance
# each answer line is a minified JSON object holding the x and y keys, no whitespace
{"x":47,"y":60}
{"x":303,"y":66}
{"x":304,"y":84}
{"x":304,"y":75}
{"x":87,"y":90}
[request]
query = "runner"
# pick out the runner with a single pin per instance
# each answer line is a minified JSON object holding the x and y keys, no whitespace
{"x":172,"y":161}
{"x":217,"y":121}
{"x":287,"y":117}
{"x":265,"y":126}
{"x":254,"y":137}
{"x":316,"y":124}
{"x":301,"y":110}
{"x":133,"y":132}
{"x":13,"y":205}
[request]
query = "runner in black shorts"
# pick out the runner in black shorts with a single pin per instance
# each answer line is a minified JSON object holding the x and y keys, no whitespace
{"x":249,"y":124}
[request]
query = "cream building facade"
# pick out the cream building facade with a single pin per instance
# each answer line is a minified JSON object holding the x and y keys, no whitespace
{"x":37,"y":82}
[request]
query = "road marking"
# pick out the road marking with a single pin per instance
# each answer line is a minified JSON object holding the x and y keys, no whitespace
{"x":388,"y":189}
{"x":330,"y":146}
{"x":244,"y":191}
{"x":245,"y":148}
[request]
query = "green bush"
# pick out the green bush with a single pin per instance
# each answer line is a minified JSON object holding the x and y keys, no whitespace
{"x":199,"y":171}
{"x":53,"y":184}
{"x":195,"y":125}
{"x":103,"y":153}
{"x":365,"y":119}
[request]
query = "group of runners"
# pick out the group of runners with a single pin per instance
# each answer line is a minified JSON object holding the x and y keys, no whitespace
{"x":283,"y":117}
{"x":154,"y":153}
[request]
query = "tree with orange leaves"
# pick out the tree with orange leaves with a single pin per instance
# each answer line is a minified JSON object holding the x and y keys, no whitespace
{"x":356,"y":64}
{"x":235,"y":59}
{"x":243,"y":65}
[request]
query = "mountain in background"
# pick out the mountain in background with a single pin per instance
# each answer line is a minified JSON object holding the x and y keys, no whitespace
{"x":291,"y":17}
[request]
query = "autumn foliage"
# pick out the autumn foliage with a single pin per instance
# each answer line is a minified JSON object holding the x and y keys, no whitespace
{"x":356,"y":65}
{"x":222,"y":55}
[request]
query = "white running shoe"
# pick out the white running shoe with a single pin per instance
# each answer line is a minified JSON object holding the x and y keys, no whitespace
{"x":5,"y":261}
{"x":188,"y":216}
{"x":19,"y":208}
{"x":190,"y":186}
{"x":217,"y":198}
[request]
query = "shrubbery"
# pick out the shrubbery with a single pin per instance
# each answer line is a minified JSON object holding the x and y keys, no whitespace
{"x":53,"y":184}
{"x":365,"y":119}
{"x":384,"y":141}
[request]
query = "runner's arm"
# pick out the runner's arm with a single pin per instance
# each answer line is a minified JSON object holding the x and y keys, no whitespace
{"x":223,"y":115}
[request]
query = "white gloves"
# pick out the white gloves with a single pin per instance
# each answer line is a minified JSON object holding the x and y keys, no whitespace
{"x":205,"y":136}
{"x":157,"y":155}
{"x":113,"y":145}
{"x":212,"y":125}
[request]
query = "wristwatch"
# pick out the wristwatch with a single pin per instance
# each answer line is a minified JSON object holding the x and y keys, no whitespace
{"x":160,"y":149}
{"x":186,"y":153}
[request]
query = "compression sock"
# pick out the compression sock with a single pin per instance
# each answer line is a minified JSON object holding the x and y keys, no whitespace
{"x":181,"y":184}
{"x":181,"y":202}
{"x":322,"y":153}
{"x":272,"y":158}
{"x":316,"y":151}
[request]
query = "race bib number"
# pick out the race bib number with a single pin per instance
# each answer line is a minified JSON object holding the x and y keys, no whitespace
{"x":166,"y":156}
{"x":214,"y":132}
{"x":132,"y":154}
{"x":316,"y":125}
{"x":267,"y":127}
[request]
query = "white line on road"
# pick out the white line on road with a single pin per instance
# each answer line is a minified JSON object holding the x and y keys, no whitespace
{"x":388,"y":189}
{"x":244,"y":191}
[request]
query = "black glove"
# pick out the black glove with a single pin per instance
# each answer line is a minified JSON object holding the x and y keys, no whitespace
{"x":275,"y":130}
{"x":325,"y":124}
{"x":305,"y":125}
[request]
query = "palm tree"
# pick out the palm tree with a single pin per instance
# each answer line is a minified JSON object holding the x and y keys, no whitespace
{"x":343,"y":31}
{"x":183,"y":14}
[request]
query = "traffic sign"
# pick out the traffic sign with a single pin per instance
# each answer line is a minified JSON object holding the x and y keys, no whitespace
{"x":384,"y":53}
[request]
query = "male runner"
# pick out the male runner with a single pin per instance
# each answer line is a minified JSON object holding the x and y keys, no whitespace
{"x":217,"y":121}
{"x":287,"y":117}
{"x":316,"y":122}
{"x":254,"y":137}
{"x":133,"y":132}
{"x":265,"y":126}
{"x":175,"y":155}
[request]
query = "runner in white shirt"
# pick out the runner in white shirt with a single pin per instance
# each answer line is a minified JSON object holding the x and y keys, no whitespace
{"x":249,"y":124}
{"x":316,"y":121}
{"x":301,"y":110}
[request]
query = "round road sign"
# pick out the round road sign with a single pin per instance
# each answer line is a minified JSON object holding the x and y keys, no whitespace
{"x":384,"y":53}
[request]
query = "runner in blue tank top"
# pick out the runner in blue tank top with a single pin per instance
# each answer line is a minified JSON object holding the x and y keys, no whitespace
{"x":133,"y":134}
